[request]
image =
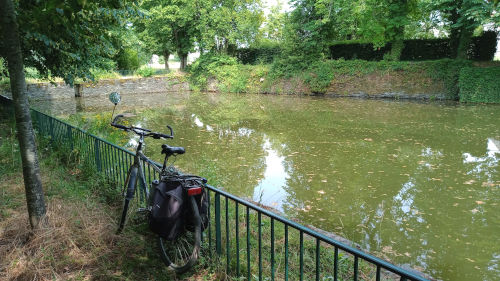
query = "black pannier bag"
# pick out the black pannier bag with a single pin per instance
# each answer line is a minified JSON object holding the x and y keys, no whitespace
{"x":167,"y":211}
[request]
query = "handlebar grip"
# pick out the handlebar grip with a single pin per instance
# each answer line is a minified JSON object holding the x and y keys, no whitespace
{"x":160,"y":135}
{"x":119,"y":126}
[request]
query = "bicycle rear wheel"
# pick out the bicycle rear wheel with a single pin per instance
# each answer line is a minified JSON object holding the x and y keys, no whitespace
{"x":182,"y":253}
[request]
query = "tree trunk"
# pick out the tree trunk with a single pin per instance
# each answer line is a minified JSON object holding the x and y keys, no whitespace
{"x":25,"y":134}
{"x":464,"y":42}
{"x":166,"y":54}
{"x":396,"y":49}
{"x":454,"y":33}
{"x":183,"y":58}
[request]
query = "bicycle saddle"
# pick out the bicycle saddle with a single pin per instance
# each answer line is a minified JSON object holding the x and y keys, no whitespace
{"x":171,"y":150}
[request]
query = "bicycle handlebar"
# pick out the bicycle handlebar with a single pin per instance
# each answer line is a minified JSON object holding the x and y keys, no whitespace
{"x":142,"y":131}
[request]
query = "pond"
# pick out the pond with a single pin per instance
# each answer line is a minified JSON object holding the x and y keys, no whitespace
{"x":416,"y":183}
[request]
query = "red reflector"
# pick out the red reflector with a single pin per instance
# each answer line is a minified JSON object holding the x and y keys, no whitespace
{"x":194,"y":191}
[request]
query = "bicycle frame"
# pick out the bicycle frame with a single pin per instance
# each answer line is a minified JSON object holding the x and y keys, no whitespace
{"x":136,"y":169}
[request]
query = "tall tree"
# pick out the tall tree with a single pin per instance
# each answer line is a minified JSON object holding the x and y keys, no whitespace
{"x":224,"y":25}
{"x":25,"y":136}
{"x":463,"y":17}
{"x":274,"y":23}
{"x":154,"y":29}
{"x":62,"y":38}
{"x":169,"y":26}
{"x":384,"y":21}
{"x":309,"y":29}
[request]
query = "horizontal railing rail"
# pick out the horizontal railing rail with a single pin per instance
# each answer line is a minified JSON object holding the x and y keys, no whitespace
{"x":253,"y":244}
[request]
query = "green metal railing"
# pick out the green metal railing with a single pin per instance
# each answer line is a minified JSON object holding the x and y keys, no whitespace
{"x":247,"y":240}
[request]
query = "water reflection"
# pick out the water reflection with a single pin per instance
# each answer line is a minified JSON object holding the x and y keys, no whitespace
{"x":485,"y":164}
{"x":270,"y":190}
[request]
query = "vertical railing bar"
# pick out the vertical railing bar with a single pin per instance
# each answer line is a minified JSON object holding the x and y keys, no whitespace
{"x":272,"y":249}
{"x":122,"y":167}
{"x":105,"y":157}
{"x":317,"y":259}
{"x":286,"y":252}
{"x":91,"y":149}
{"x":118,"y":167}
{"x":248,"y":243}
{"x":259,"y":219}
{"x":217,"y":225}
{"x":70,"y":137}
{"x":301,"y":254}
{"x":237,"y":235}
{"x":97,"y":155}
{"x":336,"y":264}
{"x":209,"y":223}
{"x":378,"y":273}
{"x":356,"y":261}
{"x":228,"y":254}
{"x":113,"y":170}
{"x":110,"y":165}
{"x":87,"y":148}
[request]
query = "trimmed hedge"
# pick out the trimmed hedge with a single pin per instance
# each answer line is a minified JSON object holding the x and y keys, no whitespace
{"x":482,"y":48}
{"x":264,"y":54}
{"x":358,"y":50}
{"x":428,"y":49}
{"x":478,"y":84}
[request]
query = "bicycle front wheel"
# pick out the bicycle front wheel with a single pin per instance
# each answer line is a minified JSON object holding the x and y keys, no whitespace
{"x":182,"y":253}
{"x":128,"y":194}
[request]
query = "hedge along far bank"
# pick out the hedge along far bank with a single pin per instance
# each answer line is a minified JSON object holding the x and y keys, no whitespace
{"x":479,"y":84}
{"x":481,"y":48}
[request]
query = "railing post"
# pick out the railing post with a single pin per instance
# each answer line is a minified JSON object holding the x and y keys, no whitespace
{"x":97,"y":155}
{"x":217,"y":225}
{"x":51,"y":129}
{"x":69,"y":136}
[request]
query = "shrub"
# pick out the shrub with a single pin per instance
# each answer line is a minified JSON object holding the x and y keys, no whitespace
{"x":480,"y":84}
{"x":145,"y":71}
{"x":128,"y":59}
{"x":208,"y":66}
{"x":31,"y":73}
{"x":263,"y":54}
{"x":3,"y":69}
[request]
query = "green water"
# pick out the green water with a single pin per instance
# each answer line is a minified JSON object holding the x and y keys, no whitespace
{"x":417,"y":184}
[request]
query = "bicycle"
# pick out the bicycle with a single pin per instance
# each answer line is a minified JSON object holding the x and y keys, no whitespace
{"x":182,"y":253}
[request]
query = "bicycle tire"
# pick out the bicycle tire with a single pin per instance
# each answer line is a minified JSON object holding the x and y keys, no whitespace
{"x":128,"y":195}
{"x":189,"y":243}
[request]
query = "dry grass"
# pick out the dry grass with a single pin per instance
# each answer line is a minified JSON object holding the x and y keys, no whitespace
{"x":78,"y":243}
{"x":67,"y":248}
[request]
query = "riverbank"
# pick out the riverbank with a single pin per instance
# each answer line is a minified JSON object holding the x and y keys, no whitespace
{"x":438,"y":79}
{"x":446,"y":79}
